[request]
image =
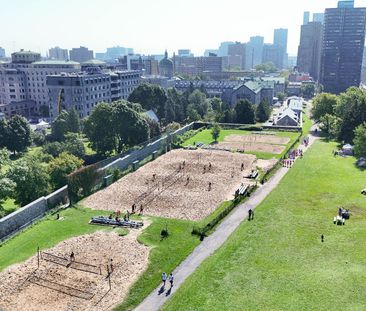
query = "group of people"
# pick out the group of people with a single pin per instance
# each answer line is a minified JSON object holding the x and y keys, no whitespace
{"x":133,"y":209}
{"x":165,"y":277}
{"x":291,"y":158}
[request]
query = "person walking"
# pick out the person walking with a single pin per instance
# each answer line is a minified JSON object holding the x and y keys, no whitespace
{"x":250,"y":214}
{"x":163,"y":278}
{"x":171,"y":279}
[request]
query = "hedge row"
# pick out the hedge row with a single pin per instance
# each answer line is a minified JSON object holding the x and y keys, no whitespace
{"x":203,"y":230}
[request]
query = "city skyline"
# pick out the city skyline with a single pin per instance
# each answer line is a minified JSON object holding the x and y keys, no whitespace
{"x":154,"y":28}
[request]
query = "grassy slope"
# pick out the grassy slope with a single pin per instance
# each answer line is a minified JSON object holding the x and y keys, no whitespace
{"x":166,"y":254}
{"x":277,"y":262}
{"x":206,"y":138}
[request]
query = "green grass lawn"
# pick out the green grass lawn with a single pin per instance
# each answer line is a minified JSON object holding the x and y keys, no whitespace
{"x":166,"y":254}
{"x":206,"y":138}
{"x":278,"y":262}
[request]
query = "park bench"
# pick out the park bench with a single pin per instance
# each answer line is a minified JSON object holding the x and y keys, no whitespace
{"x":253,"y":175}
{"x":243,"y":189}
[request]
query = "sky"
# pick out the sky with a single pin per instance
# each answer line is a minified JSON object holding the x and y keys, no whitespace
{"x":149,"y":26}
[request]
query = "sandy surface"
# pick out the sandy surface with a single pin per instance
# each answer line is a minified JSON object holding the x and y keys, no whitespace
{"x":254,"y":142}
{"x":266,"y":164}
{"x":245,"y":147}
{"x":177,"y":199}
{"x":257,"y":138}
{"x":130,"y":259}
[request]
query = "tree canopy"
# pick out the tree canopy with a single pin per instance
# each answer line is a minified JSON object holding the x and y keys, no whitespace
{"x":266,"y":67}
{"x":151,"y":97}
{"x":263,"y":111}
{"x":114,"y":127}
{"x":360,"y":140}
{"x":323,"y":104}
{"x":245,"y":112}
{"x":61,"y":166}
{"x":31,"y":180}
{"x":67,"y":121}
{"x":15,"y":134}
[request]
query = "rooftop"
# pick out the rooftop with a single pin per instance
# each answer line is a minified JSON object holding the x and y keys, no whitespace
{"x":56,"y":62}
{"x":94,"y":62}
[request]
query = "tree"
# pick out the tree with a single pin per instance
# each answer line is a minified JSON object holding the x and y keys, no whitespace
{"x":44,"y":111}
{"x":62,"y":166}
{"x":174,"y":107}
{"x":266,"y":67}
{"x":323,"y":104}
{"x":360,"y":140}
{"x":351,"y":110}
{"x":130,"y":128}
{"x":245,"y":112}
{"x":154,"y":127}
{"x":263,"y":111}
{"x":6,"y":188}
{"x":67,"y":121}
{"x":74,"y":145}
{"x":73,"y":121}
{"x":198,"y":102}
{"x":215,"y":132}
{"x":150,"y":97}
{"x":329,"y":124}
{"x":98,"y":128}
{"x":59,"y":126}
{"x":308,"y":90}
{"x":4,"y":158}
{"x":19,"y":134}
{"x":281,"y":96}
{"x":114,"y":127}
{"x":31,"y":179}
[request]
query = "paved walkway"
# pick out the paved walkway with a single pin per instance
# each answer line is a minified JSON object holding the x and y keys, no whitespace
{"x":154,"y":301}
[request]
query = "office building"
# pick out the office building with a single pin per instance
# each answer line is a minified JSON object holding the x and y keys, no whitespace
{"x":197,"y":66}
{"x":2,"y":52}
{"x":23,"y":82}
{"x":114,"y":53}
{"x":185,"y":52}
{"x":342,"y":47}
{"x":57,"y":53}
{"x":255,"y":51}
{"x":346,"y":4}
{"x":274,"y":54}
{"x":211,"y":52}
{"x":318,"y":17}
{"x":81,"y":54}
{"x":280,"y":39}
{"x":306,"y":18}
{"x":309,"y":52}
{"x":84,"y":90}
{"x":237,"y":56}
{"x":224,"y":48}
